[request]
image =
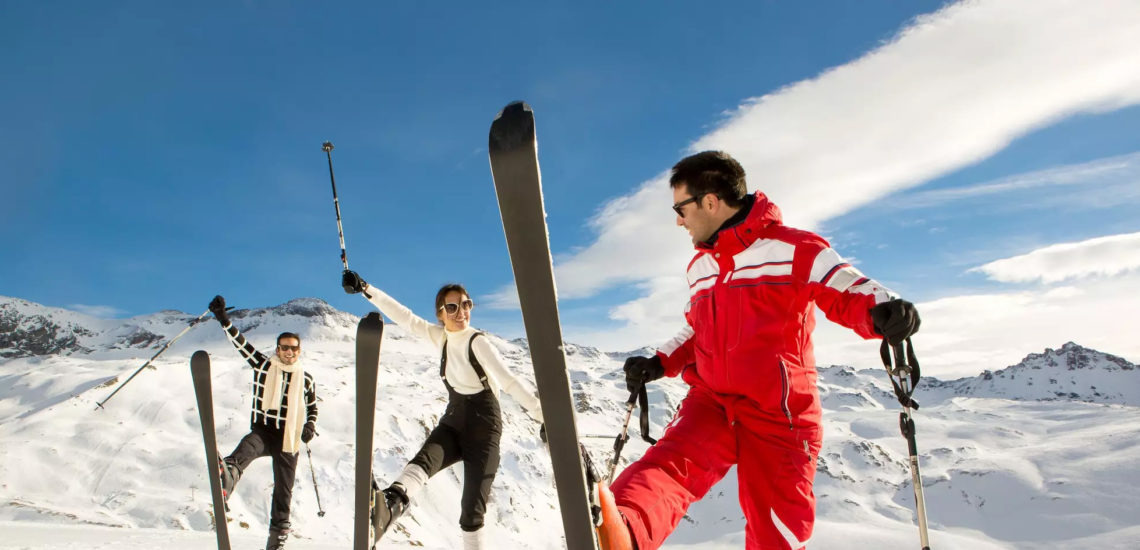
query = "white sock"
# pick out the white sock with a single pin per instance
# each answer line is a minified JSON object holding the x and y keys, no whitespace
{"x":473,"y":540}
{"x":412,"y":479}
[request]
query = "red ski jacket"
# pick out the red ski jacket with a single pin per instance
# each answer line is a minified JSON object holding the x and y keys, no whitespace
{"x":752,"y":296}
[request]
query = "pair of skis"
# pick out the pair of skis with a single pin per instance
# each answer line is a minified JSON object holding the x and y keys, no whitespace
{"x":368,"y":337}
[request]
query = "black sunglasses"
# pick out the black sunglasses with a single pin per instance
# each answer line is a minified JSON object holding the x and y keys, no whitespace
{"x":284,"y":347}
{"x":678,"y":206}
{"x":452,"y":308}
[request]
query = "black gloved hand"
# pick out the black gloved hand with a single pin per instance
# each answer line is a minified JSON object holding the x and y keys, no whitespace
{"x":352,"y":282}
{"x":642,"y":369}
{"x":542,"y":433}
{"x":895,"y":320}
{"x":308,"y":432}
{"x":218,"y":308}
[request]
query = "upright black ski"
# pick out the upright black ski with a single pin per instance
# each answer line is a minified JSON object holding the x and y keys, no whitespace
{"x":368,"y":336}
{"x":200,"y":371}
{"x":518,"y":184}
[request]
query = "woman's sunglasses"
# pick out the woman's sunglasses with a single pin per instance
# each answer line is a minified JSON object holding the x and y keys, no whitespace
{"x":452,"y":308}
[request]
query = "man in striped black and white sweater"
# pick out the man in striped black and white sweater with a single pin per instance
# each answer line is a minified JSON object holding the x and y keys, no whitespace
{"x":284,"y":416}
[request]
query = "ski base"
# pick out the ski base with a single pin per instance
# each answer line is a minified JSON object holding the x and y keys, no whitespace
{"x":369,"y":334}
{"x":200,"y":372}
{"x":513,"y":153}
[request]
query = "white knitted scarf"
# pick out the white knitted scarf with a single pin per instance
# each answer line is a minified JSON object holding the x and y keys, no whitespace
{"x":294,"y":400}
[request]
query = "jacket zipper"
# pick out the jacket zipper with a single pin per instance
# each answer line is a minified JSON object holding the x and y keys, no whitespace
{"x":786,"y":390}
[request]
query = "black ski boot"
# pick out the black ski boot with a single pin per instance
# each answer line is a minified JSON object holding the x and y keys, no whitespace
{"x":230,"y":474}
{"x":277,"y":538}
{"x":593,"y":481}
{"x":385,"y":514}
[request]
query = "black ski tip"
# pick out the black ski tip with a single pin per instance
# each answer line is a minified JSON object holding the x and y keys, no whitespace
{"x":327,"y":146}
{"x":371,"y":321}
{"x":200,"y":363}
{"x":513,"y":128}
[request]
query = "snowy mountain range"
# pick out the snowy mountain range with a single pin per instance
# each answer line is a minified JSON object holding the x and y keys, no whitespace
{"x":1041,"y":454}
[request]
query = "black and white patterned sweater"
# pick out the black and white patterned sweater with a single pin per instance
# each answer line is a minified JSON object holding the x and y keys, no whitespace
{"x":273,"y":418}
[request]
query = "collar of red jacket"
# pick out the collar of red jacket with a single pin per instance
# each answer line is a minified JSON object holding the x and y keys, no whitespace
{"x":736,"y":235}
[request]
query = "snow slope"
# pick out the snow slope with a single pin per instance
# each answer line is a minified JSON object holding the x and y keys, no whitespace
{"x":1043,"y":454}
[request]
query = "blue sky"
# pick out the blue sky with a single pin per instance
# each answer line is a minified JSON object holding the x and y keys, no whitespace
{"x":153,"y":155}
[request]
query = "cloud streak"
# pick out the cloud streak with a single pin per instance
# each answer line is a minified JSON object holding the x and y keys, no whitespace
{"x":99,"y":312}
{"x":1102,"y":256}
{"x":951,"y":89}
{"x":963,"y":335}
{"x":1107,"y":175}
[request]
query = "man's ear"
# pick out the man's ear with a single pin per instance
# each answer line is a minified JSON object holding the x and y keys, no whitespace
{"x":714,"y":200}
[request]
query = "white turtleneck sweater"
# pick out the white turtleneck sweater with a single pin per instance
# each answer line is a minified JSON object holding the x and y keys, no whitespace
{"x":460,"y":374}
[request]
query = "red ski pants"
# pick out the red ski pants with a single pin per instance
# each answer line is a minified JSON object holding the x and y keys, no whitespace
{"x":775,"y":469}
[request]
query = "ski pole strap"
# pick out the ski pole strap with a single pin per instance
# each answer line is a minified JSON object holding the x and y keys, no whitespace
{"x":643,"y":403}
{"x":905,"y":363}
{"x":637,"y":397}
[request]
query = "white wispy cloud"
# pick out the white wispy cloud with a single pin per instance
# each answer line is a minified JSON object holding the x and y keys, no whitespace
{"x":950,"y":89}
{"x":962,"y":335}
{"x":99,"y":312}
{"x":1108,"y":175}
{"x":1102,"y":256}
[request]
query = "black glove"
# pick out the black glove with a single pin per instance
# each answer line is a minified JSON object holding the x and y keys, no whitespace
{"x":542,"y":433}
{"x":640,"y":370}
{"x":895,"y":320}
{"x":308,"y":432}
{"x":352,"y":282}
{"x":218,"y":308}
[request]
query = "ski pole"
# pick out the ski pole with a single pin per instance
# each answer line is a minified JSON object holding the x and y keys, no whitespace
{"x":637,"y":394}
{"x":328,"y":147}
{"x":99,"y":405}
{"x":320,"y":511}
{"x":906,"y":370}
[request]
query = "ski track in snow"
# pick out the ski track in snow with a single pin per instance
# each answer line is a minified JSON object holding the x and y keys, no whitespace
{"x":1001,"y":468}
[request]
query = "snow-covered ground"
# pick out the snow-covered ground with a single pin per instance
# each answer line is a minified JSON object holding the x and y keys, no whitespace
{"x":1044,"y":454}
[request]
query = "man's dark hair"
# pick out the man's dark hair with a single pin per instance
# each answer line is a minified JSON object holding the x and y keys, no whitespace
{"x":289,"y":335}
{"x":711,"y":172}
{"x":442,"y":294}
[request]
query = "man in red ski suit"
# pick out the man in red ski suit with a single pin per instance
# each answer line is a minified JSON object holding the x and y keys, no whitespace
{"x":746,"y":352}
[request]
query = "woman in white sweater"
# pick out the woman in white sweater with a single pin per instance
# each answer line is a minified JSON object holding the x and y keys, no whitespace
{"x":470,"y":428}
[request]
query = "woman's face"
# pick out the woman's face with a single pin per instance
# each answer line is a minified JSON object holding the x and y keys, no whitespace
{"x":456,"y":311}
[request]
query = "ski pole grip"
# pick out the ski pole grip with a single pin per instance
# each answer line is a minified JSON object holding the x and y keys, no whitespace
{"x":901,"y":366}
{"x":633,"y":395}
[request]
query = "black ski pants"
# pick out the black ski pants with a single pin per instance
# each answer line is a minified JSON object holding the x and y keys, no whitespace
{"x":469,"y":431}
{"x":266,"y":441}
